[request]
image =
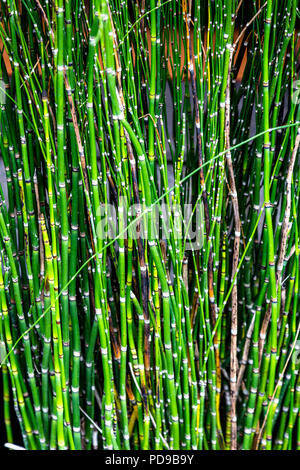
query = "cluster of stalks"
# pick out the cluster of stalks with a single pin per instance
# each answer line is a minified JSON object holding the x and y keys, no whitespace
{"x":114,"y":340}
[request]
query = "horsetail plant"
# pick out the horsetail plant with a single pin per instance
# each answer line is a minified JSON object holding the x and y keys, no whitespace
{"x":149,"y":224}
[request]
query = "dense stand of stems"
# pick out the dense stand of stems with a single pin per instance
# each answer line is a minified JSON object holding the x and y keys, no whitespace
{"x":118,"y":332}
